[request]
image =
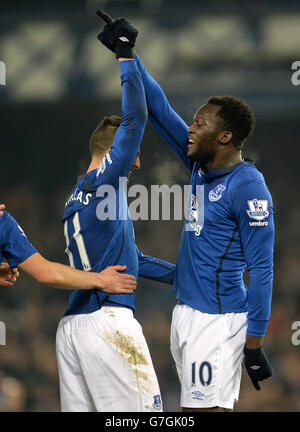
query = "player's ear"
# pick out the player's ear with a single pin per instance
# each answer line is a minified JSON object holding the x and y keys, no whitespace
{"x":224,"y":137}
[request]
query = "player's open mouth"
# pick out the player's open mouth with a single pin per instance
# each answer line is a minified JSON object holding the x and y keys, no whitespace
{"x":191,"y":144}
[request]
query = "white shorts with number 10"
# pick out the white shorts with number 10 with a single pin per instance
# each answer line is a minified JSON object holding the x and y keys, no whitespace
{"x":208,"y":352}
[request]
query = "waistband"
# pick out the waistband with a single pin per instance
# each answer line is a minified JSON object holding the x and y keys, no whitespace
{"x":81,"y":321}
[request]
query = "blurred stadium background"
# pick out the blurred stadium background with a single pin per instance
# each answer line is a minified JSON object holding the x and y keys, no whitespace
{"x":60,"y":82}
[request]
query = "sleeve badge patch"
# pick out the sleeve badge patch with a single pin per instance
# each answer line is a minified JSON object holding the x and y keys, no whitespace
{"x":258,"y":209}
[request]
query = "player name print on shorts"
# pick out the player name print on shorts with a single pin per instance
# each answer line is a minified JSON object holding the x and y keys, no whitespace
{"x":216,"y":193}
{"x":258,"y":210}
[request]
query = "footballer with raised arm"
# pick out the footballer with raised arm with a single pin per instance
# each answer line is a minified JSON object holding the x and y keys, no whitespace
{"x":229,"y":227}
{"x":103,"y":359}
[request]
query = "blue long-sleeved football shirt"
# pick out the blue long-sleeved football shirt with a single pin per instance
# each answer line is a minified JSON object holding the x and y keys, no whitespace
{"x":95,"y":242}
{"x":229,"y":226}
{"x":14,"y":245}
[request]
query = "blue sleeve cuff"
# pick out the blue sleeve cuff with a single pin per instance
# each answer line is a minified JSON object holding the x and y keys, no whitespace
{"x":128,"y":66}
{"x":257,"y":328}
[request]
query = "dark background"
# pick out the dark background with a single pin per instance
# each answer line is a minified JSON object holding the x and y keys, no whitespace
{"x":60,"y":83}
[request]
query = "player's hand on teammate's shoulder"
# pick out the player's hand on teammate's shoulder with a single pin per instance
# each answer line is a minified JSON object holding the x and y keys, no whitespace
{"x":114,"y":282}
{"x":2,"y":207}
{"x":8,"y":275}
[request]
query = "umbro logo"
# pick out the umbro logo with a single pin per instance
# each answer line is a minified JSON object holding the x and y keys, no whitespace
{"x":254,"y":367}
{"x":123,"y":39}
{"x":197,"y":395}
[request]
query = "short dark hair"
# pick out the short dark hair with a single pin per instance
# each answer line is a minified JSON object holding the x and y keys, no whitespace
{"x":103,"y":136}
{"x":236,"y":116}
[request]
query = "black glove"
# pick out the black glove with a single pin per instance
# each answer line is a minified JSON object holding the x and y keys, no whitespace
{"x":257,"y":365}
{"x":119,"y":36}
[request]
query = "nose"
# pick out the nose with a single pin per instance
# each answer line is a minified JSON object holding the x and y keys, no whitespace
{"x":137,"y":163}
{"x":190,"y":129}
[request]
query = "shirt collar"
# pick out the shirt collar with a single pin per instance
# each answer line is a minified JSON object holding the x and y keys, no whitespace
{"x":218,"y":172}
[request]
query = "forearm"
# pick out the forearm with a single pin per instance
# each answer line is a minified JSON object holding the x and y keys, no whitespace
{"x":134,"y":108}
{"x":156,"y":269}
{"x":259,"y":301}
{"x":129,"y":135}
{"x":154,"y":93}
{"x":164,"y":119}
{"x":58,"y":275}
{"x":61,"y":276}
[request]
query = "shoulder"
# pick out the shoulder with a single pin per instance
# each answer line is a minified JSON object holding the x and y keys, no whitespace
{"x":246,"y":184}
{"x":3,"y":224}
{"x":7,"y":219}
{"x":249,"y":172}
{"x":245,"y":176}
{"x":10,"y":226}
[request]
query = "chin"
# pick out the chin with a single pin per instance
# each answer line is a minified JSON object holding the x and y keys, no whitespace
{"x":194,"y":156}
{"x":191,"y":154}
{"x":203,"y":159}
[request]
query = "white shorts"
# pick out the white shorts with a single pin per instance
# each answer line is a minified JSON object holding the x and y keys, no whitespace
{"x":208,"y":352}
{"x":104,"y":363}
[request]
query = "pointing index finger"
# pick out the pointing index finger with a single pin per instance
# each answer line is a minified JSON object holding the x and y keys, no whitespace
{"x":107,"y":18}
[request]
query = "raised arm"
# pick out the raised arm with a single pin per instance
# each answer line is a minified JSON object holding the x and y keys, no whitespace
{"x":165,"y":120}
{"x":128,"y":137}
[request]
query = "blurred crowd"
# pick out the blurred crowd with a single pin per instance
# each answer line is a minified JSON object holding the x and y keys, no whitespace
{"x":60,"y":85}
{"x":28,"y":369}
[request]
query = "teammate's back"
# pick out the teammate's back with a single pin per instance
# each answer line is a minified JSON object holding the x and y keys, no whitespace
{"x":97,"y":225}
{"x":94,"y":244}
{"x":96,"y":372}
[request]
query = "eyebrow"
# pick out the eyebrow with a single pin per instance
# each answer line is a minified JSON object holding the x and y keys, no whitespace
{"x":199,"y":119}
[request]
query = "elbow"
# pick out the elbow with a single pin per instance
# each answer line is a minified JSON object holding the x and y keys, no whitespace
{"x":135,"y":121}
{"x":138,"y":118}
{"x":143,"y":114}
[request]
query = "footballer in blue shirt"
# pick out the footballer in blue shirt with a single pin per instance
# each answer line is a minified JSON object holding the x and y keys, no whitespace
{"x":18,"y":251}
{"x":103,"y":359}
{"x":8,"y":275}
{"x":229,"y":227}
